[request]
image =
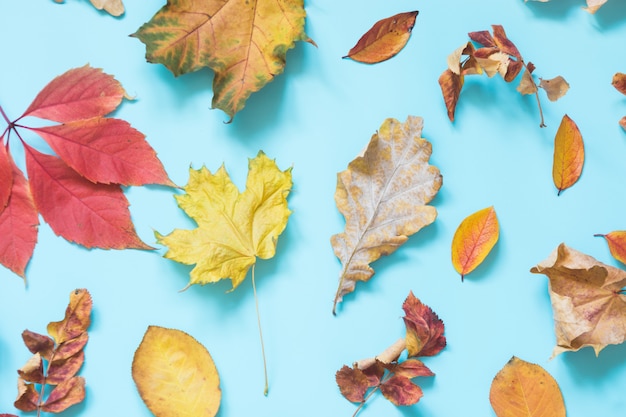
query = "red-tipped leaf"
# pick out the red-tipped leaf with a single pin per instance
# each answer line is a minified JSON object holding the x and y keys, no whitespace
{"x":93,"y":215}
{"x":80,"y":93}
{"x":106,"y":150}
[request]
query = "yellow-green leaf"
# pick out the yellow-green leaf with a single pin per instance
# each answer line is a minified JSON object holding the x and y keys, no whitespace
{"x":175,"y":375}
{"x":569,"y":154}
{"x":233,"y":228}
{"x":244,"y":42}
{"x":523,"y":389}
{"x":473,"y":240}
{"x":383,"y":196}
{"x":385,"y":39}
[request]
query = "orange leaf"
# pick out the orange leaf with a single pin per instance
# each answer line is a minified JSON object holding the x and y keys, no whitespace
{"x":451,"y":85}
{"x":474,"y":239}
{"x":617,"y":244}
{"x":569,"y":154}
{"x":523,"y":389}
{"x":619,"y":82}
{"x":385,"y":39}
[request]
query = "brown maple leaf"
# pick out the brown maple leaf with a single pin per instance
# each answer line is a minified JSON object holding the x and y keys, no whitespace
{"x":587,"y":298}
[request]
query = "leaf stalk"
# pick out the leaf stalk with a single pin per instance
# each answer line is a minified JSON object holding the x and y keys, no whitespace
{"x":258,"y":318}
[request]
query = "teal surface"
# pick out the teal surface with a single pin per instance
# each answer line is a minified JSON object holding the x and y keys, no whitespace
{"x":317,"y":117}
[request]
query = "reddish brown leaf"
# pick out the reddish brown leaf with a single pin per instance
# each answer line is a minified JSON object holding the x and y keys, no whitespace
{"x":401,"y":391}
{"x":27,"y":396}
{"x":424,"y":329}
{"x":77,"y":317}
{"x":483,"y":37}
{"x":71,"y":347}
{"x":32,"y":371}
{"x":374,"y":373}
{"x":569,"y":154}
{"x":412,"y":368}
{"x":6,"y":175}
{"x":451,"y":85}
{"x":385,"y":39}
{"x":503,"y":43}
{"x":93,"y":215}
{"x":106,"y":150}
{"x":66,"y":394}
{"x":8,"y":415}
{"x":18,"y":226}
{"x":617,"y":244}
{"x":619,"y":82}
{"x":513,"y":70}
{"x":353,"y":383}
{"x":38,"y":343}
{"x":80,"y":93}
{"x":62,"y":370}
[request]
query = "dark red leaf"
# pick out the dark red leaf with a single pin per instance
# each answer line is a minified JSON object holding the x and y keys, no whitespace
{"x":71,"y":346}
{"x":353,"y":383}
{"x":374,"y":373}
{"x":6,"y":175}
{"x":38,"y":343}
{"x":504,"y":43}
{"x":66,"y":394}
{"x":32,"y":371}
{"x":401,"y":391}
{"x":80,"y":93}
{"x":63,"y":369}
{"x":451,"y":85}
{"x":483,"y":37}
{"x":18,"y":226}
{"x":27,"y":396}
{"x":93,"y":215}
{"x":424,"y":329}
{"x":412,"y":368}
{"x":106,"y":151}
{"x":513,"y":70}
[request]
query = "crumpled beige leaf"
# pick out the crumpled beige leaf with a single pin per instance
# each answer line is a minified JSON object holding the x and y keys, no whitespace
{"x":587,"y":299}
{"x":555,"y":87}
{"x":383,"y":196}
{"x":112,"y":7}
{"x":592,"y":5}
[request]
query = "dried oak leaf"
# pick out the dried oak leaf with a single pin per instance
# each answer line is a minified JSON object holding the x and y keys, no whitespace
{"x":617,"y":244}
{"x":473,"y":240}
{"x":112,"y":7}
{"x":383,"y":196}
{"x":384,"y":40}
{"x":569,"y":154}
{"x":175,"y":375}
{"x":77,"y":191}
{"x":186,"y":36}
{"x":523,"y":389}
{"x":587,"y":299}
{"x":233,"y":228}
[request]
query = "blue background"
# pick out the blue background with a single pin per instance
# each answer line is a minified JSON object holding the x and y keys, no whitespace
{"x":316,"y":117}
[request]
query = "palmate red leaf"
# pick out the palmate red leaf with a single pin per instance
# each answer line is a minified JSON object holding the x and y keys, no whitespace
{"x":18,"y":225}
{"x":80,"y":93}
{"x":6,"y":176}
{"x":106,"y":150}
{"x":93,"y":215}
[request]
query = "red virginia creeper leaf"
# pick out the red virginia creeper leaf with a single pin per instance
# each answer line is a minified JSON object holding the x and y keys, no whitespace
{"x":93,"y":215}
{"x":27,"y":396}
{"x":6,"y":175}
{"x":80,"y":93}
{"x":424,"y":329}
{"x":569,"y":154}
{"x":38,"y":343}
{"x":401,"y":391}
{"x":77,"y":317}
{"x":32,"y":371}
{"x":106,"y":150}
{"x":412,"y":368}
{"x":66,"y":394}
{"x":617,"y":244}
{"x":18,"y":225}
{"x":61,"y":370}
{"x":353,"y":383}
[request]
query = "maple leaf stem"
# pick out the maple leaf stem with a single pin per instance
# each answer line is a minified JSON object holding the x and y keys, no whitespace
{"x":6,"y":118}
{"x":258,"y":319}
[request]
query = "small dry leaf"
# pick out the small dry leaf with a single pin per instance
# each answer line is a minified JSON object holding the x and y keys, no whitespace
{"x":619,"y":82}
{"x":523,"y":389}
{"x":555,"y":87}
{"x":401,"y":390}
{"x":113,"y":7}
{"x":384,"y":40}
{"x":451,"y":85}
{"x":587,"y":298}
{"x":383,"y":196}
{"x":617,"y":244}
{"x":569,"y":155}
{"x":473,"y":240}
{"x":175,"y":375}
{"x":527,"y":84}
{"x":594,"y":5}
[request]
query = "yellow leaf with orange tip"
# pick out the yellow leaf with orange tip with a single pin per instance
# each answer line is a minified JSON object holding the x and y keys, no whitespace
{"x":617,"y":244}
{"x":569,"y":154}
{"x":473,"y":240}
{"x":385,"y":39}
{"x":523,"y":389}
{"x":175,"y":375}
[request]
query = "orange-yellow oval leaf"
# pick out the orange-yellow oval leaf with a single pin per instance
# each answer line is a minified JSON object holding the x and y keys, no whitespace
{"x":385,"y":39}
{"x":175,"y":375}
{"x":569,"y":154}
{"x":473,"y":240}
{"x":617,"y":244}
{"x":523,"y":389}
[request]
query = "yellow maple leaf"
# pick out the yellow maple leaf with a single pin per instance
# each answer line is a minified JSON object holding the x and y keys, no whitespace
{"x":233,"y":228}
{"x":244,"y":41}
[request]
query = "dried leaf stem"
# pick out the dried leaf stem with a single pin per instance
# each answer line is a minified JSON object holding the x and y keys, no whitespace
{"x":542,"y":123}
{"x":258,"y":319}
